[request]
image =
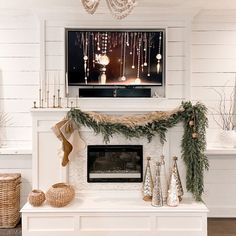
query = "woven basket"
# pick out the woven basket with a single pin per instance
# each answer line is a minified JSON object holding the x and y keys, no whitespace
{"x":36,"y":197}
{"x":60,"y":194}
{"x":9,"y":200}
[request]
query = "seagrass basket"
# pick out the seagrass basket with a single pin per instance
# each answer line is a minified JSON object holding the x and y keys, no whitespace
{"x":36,"y":197}
{"x":9,"y":200}
{"x":60,"y":194}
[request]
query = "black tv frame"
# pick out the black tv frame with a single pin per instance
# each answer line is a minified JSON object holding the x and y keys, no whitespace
{"x":128,"y":86}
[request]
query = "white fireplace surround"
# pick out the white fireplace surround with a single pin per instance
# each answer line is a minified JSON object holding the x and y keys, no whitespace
{"x":100,"y":209}
{"x":47,"y":152}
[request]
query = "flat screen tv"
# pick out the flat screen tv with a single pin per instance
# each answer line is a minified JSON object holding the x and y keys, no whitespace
{"x":115,"y":57}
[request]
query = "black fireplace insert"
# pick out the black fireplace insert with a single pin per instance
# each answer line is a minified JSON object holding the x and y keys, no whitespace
{"x":115,"y":163}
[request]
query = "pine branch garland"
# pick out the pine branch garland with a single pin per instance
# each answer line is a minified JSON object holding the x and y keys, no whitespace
{"x":193,"y":141}
{"x":193,"y":148}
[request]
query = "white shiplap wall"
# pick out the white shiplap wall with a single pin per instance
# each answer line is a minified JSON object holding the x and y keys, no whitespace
{"x":19,"y":78}
{"x":19,"y":75}
{"x":214,"y":67}
{"x":213,"y":63}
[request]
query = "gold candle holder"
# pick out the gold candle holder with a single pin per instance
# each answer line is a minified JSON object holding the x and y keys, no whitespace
{"x":54,"y":101}
{"x":67,"y":100}
{"x":35,"y":106}
{"x":59,"y":102}
{"x":40,"y":97}
{"x":71,"y":104}
{"x":42,"y":103}
{"x":58,"y":97}
{"x":47,"y":99}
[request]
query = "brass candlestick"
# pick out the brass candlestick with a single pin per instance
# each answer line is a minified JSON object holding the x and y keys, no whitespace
{"x":58,"y":97}
{"x":40,"y":97}
{"x":67,"y":100}
{"x":35,"y":106}
{"x":42,"y":103}
{"x":71,"y":104}
{"x":54,"y":101}
{"x":59,"y":102}
{"x":47,"y":99}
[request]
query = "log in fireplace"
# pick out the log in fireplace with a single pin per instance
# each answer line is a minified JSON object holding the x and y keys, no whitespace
{"x":115,"y":163}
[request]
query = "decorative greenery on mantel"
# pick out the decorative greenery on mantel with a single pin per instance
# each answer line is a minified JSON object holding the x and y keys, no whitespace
{"x":157,"y":123}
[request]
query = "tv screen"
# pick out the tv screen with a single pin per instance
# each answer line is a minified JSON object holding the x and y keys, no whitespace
{"x":115,"y":57}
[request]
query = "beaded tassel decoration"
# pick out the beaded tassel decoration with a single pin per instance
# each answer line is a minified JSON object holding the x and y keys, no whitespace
{"x":121,"y":9}
{"x":172,"y":197}
{"x":164,"y":180}
{"x":90,"y":5}
{"x":148,"y":182}
{"x":157,"y":200}
{"x":178,"y":180}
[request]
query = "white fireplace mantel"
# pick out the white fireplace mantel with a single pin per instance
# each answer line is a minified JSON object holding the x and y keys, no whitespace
{"x":46,"y":146}
{"x":118,"y":104}
{"x":114,"y":209}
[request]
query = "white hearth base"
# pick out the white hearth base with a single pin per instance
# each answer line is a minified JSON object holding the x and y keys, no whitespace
{"x":115,"y":216}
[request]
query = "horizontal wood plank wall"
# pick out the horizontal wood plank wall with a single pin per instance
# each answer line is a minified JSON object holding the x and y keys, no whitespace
{"x":214,"y":69}
{"x":19,"y":76}
{"x":213,"y":63}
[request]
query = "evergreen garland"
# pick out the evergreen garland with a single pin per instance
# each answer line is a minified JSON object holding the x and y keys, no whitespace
{"x":193,"y":141}
{"x":194,"y":146}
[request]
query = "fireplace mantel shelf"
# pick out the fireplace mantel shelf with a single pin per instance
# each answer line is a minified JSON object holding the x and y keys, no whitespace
{"x":117,"y":104}
{"x":103,"y":214}
{"x":117,"y":204}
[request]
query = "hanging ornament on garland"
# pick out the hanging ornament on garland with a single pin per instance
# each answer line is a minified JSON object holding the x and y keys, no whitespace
{"x":148,"y":182}
{"x":191,"y":123}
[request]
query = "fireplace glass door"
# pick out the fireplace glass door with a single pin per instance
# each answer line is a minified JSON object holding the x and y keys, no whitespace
{"x":115,"y":163}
